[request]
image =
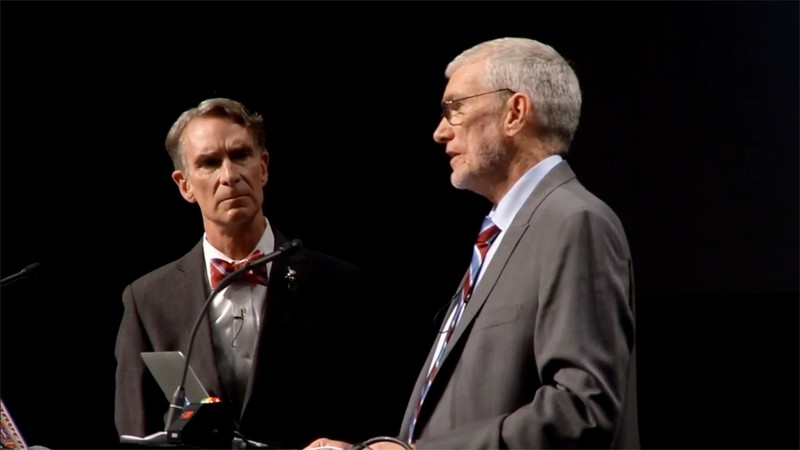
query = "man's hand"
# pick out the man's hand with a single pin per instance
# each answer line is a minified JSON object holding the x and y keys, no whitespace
{"x":386,"y":445}
{"x":328,"y":444}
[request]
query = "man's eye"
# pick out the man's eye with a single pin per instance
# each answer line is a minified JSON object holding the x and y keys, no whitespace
{"x":239,"y":155}
{"x":208,"y":162}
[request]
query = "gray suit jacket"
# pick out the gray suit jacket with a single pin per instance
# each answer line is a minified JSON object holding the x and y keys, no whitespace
{"x":543,"y":355}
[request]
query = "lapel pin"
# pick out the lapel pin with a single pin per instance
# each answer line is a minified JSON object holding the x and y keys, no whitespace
{"x":291,"y":279}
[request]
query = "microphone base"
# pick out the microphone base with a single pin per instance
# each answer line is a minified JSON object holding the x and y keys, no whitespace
{"x":203,"y":425}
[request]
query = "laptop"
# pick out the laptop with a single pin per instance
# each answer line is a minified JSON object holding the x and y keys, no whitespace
{"x":167,"y":369}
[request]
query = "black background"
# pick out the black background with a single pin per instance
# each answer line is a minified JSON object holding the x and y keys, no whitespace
{"x":689,"y":131}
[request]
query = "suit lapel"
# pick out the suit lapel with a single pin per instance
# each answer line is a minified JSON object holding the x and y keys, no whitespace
{"x":488,"y":280}
{"x":279,"y":292}
{"x":422,"y":378}
{"x":557,"y":176}
{"x":478,"y":298}
{"x":194,"y":282}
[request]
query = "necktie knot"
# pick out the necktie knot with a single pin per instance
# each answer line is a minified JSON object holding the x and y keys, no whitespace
{"x":489,"y":232}
{"x":221,"y":268}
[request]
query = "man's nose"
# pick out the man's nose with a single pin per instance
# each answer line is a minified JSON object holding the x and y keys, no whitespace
{"x":229,"y":173}
{"x":443,"y":132}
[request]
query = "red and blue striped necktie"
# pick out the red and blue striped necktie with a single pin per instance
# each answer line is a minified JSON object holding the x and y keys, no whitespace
{"x":489,"y":232}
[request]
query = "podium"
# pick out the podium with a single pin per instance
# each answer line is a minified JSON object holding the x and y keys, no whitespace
{"x":203,"y":425}
{"x":160,"y":440}
{"x":199,"y":425}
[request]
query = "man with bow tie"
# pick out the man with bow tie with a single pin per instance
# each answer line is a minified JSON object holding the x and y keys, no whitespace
{"x":264,"y":334}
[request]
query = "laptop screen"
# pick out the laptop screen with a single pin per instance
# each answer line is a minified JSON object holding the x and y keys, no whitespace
{"x":167,"y":368}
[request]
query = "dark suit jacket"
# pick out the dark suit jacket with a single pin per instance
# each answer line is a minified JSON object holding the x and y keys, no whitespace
{"x":307,"y":344}
{"x":543,"y":356}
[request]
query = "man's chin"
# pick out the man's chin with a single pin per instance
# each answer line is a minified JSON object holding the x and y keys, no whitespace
{"x":239,"y":215}
{"x":458,"y":181}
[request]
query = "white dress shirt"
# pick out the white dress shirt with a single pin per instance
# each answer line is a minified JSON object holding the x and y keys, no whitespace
{"x":236,"y":315}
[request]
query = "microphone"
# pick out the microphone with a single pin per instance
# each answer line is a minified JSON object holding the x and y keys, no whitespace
{"x":29,"y":271}
{"x":210,"y":426}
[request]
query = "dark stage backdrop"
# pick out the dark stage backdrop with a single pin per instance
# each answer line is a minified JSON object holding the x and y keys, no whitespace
{"x":689,"y":131}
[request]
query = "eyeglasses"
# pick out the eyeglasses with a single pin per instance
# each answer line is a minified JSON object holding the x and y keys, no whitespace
{"x":455,"y":117}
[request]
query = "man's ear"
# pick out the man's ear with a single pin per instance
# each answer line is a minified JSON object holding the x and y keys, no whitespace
{"x":184,"y":186}
{"x":521,"y":108}
{"x":264,"y":166}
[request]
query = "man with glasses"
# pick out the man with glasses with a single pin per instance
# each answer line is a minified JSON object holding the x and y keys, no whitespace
{"x":260,"y":346}
{"x":537,"y":347}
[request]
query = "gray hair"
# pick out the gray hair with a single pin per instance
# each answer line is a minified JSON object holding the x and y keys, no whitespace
{"x":536,"y":69}
{"x":220,"y":108}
